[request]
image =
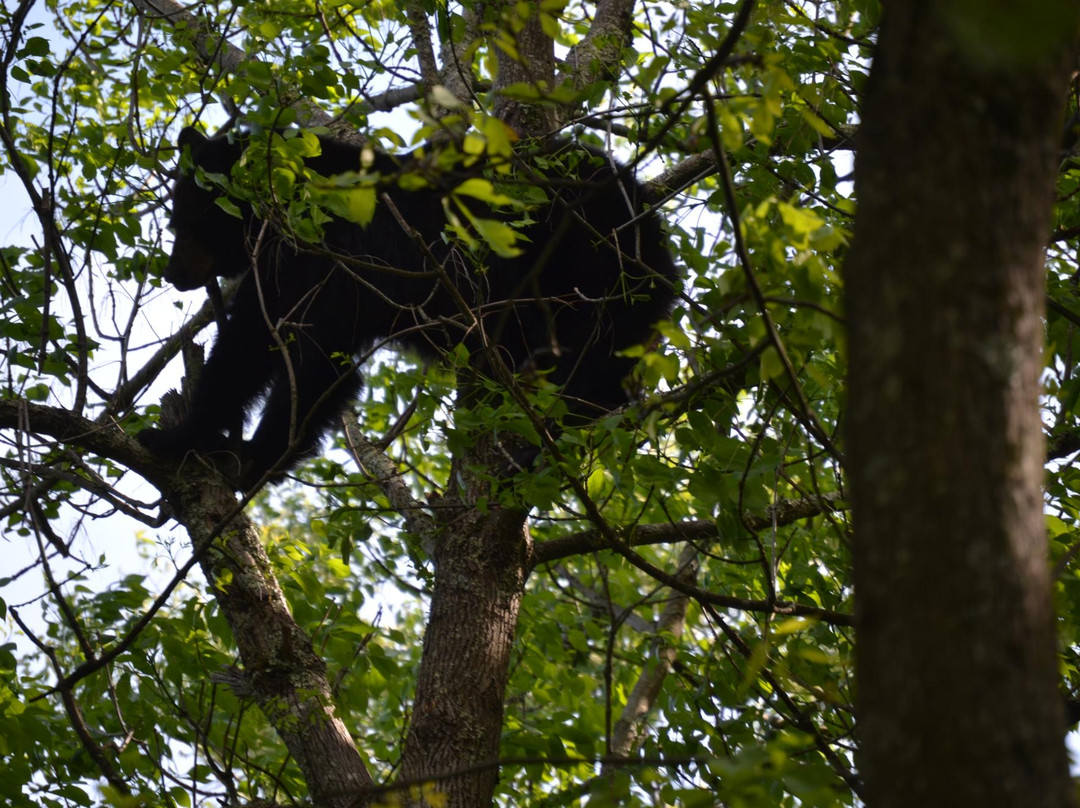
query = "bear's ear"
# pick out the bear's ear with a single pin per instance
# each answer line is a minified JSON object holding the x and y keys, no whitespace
{"x":190,"y":136}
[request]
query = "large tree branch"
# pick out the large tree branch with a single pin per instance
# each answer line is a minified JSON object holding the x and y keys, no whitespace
{"x":214,"y":50}
{"x":480,"y":560}
{"x":526,"y":57}
{"x":107,"y":440}
{"x":607,"y":537}
{"x":284,"y":674}
{"x":287,"y":679}
{"x":598,"y":56}
{"x":457,"y":73}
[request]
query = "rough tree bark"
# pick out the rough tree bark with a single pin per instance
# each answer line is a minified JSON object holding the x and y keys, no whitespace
{"x":525,"y":56}
{"x":281,"y":672}
{"x":955,"y":658}
{"x":481,"y":557}
{"x":480,"y":560}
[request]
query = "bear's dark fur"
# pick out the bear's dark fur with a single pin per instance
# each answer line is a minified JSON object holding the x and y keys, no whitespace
{"x":593,"y":279}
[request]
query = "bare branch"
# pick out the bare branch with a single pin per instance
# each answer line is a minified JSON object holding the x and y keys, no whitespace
{"x":124,"y":396}
{"x":382,"y":471}
{"x":627,"y":730}
{"x":784,"y":512}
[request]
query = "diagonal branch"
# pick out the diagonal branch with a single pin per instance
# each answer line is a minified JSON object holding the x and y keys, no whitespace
{"x":385,"y":474}
{"x":284,"y":674}
{"x":627,"y":730}
{"x":598,"y":55}
{"x":457,"y":73}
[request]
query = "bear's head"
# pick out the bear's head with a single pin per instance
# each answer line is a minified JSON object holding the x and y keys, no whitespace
{"x":209,"y":241}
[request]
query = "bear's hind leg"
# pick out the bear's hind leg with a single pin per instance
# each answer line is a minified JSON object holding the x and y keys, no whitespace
{"x":289,"y":434}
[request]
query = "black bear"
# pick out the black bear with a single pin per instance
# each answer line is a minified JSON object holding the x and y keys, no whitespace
{"x":592,"y":277}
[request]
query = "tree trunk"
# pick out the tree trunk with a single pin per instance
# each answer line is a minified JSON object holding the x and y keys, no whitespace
{"x":531,"y":64}
{"x":482,"y":548}
{"x":956,"y":666}
{"x":282,"y":672}
{"x":480,"y":568}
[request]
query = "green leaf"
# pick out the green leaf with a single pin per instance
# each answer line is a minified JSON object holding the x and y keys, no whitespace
{"x":35,"y":46}
{"x":482,"y":189}
{"x":358,"y":203}
{"x":816,"y":122}
{"x":772,"y":367}
{"x":800,"y":220}
{"x":500,"y":236}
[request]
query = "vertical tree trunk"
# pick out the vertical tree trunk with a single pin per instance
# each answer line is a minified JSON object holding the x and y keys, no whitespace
{"x":480,"y":569}
{"x":955,"y":657}
{"x":482,"y":553}
{"x":532,"y":63}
